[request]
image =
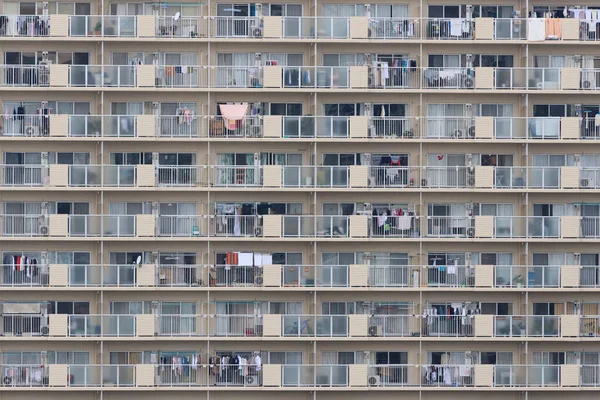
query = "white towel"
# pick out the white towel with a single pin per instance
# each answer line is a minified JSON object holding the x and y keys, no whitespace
{"x":245,"y":259}
{"x":536,"y":31}
{"x":455,"y":27}
{"x":258,"y":261}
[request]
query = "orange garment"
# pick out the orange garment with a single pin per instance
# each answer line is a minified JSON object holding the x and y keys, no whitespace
{"x":169,"y":71}
{"x":553,"y":28}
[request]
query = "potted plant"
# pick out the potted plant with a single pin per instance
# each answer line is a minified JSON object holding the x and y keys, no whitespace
{"x":98,"y":28}
{"x":518,"y":281}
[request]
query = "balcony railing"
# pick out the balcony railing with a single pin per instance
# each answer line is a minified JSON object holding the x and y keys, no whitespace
{"x":107,"y":25}
{"x":443,"y":277}
{"x":24,"y":26}
{"x":314,"y":325}
{"x":309,"y":376}
{"x":101,"y":325}
{"x":102,"y":75}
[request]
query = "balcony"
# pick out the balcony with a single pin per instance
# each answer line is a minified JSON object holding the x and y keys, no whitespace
{"x":308,"y":376}
{"x":322,"y":277}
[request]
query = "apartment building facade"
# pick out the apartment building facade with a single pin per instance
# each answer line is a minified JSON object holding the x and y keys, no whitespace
{"x":316,"y":200}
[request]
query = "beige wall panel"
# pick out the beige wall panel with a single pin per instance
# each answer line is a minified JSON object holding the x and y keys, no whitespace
{"x":146,"y":75}
{"x":484,"y":28}
{"x":570,"y":78}
{"x":359,"y":77}
{"x":484,"y":325}
{"x":359,"y":126}
{"x":570,"y":128}
{"x":484,"y":127}
{"x":144,"y":325}
{"x":146,"y":275}
{"x":271,"y":375}
{"x":272,"y":126}
{"x":569,"y":325}
{"x":59,"y":75}
{"x":484,"y":177}
{"x":145,"y":125}
{"x":144,"y":375}
{"x":272,"y":176}
{"x":57,"y":375}
{"x":58,"y":225}
{"x":358,"y":226}
{"x":273,"y":27}
{"x":484,"y":226}
{"x":359,"y":275}
{"x":272,"y":225}
{"x":272,"y":76}
{"x":58,"y":275}
{"x":358,"y":325}
{"x":359,"y":27}
{"x":59,"y":175}
{"x":59,"y":125}
{"x":58,"y":325}
{"x":484,"y":276}
{"x":570,"y":226}
{"x":359,"y":176}
{"x":272,"y":275}
{"x":271,"y":325}
{"x":59,"y":25}
{"x":145,"y":225}
{"x":145,"y":175}
{"x":484,"y":78}
{"x":146,"y":26}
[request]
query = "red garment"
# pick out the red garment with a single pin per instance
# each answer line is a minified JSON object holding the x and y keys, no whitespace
{"x":18,"y":263}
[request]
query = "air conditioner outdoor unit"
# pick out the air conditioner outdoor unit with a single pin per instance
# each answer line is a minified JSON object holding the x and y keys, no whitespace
{"x":44,"y":230}
{"x":374,"y":380}
{"x":251,"y":380}
{"x":258,"y":281}
{"x":374,"y":330}
{"x":586,"y":182}
{"x":32,"y":130}
{"x":258,"y":231}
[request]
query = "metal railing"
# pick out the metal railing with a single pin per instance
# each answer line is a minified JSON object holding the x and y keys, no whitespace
{"x":449,"y":28}
{"x":179,"y":175}
{"x":102,"y":275}
{"x":14,"y":125}
{"x":24,"y":375}
{"x":25,"y":75}
{"x":448,"y":78}
{"x":315,"y":226}
{"x":237,"y":176}
{"x":181,"y":76}
{"x":237,"y":27}
{"x":28,"y":275}
{"x":460,"y":227}
{"x":24,"y":325}
{"x":182,"y":27}
{"x":24,"y":25}
{"x":26,"y":225}
{"x":102,"y":175}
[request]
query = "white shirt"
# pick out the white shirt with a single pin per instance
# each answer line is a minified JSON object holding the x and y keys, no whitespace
{"x":258,"y":362}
